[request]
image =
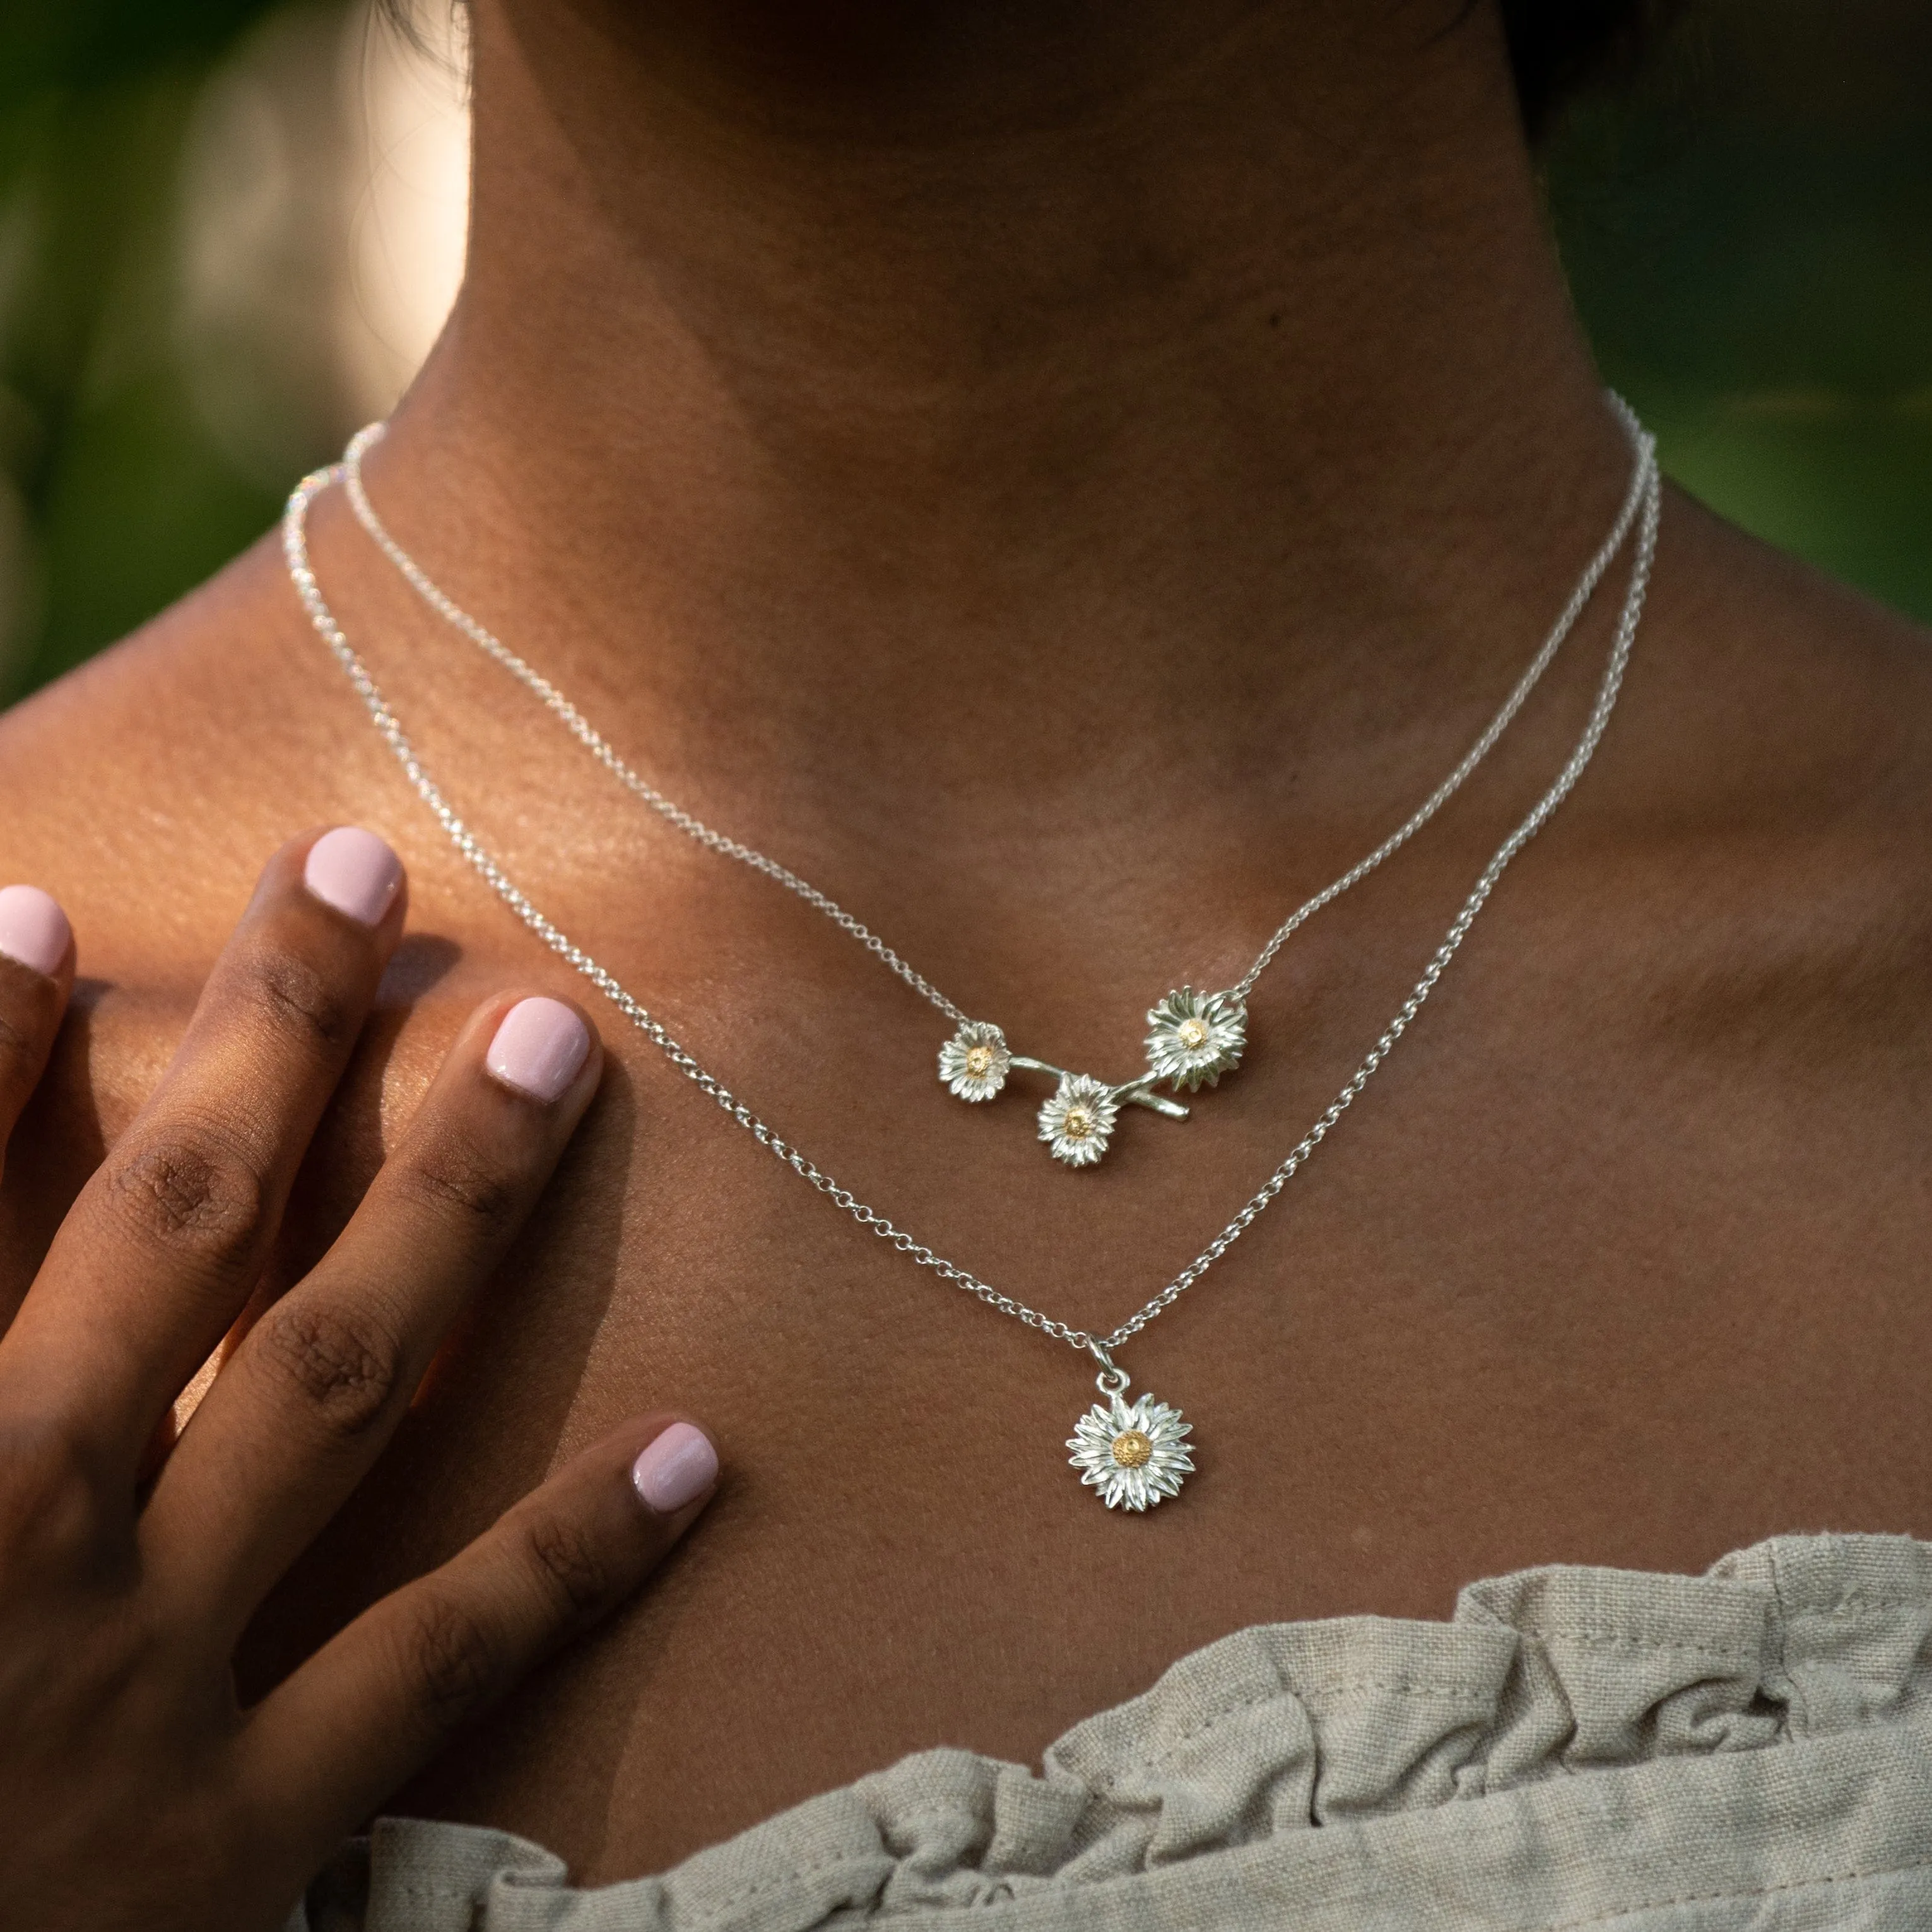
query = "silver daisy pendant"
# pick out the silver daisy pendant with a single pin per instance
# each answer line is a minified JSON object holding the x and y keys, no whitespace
{"x":1194,"y":1038}
{"x":1078,"y":1119}
{"x":1132,"y":1454}
{"x":975,"y":1062}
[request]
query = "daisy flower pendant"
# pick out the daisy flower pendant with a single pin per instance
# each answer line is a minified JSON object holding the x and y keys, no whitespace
{"x":1133,"y":1454}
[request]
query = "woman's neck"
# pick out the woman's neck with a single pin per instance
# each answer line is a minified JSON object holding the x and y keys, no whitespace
{"x":929,"y":390}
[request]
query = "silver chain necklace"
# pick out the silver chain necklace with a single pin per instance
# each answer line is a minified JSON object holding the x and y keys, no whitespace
{"x":1132,"y":1454}
{"x":1193,"y":1038}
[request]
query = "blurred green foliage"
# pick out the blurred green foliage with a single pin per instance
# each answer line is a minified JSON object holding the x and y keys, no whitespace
{"x":1747,"y":228}
{"x":1748,"y":234}
{"x":119,"y":499}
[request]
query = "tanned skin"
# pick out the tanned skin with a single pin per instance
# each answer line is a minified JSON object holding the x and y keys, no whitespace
{"x":1067,"y":479}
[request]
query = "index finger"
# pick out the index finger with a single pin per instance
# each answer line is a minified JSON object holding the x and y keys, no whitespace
{"x":158,"y":1255}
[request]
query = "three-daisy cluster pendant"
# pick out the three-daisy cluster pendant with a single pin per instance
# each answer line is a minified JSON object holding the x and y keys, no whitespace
{"x":1132,"y":1454}
{"x":1192,"y":1039}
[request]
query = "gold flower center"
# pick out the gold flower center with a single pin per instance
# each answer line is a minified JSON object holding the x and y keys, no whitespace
{"x":1193,"y":1033}
{"x":1078,"y":1123}
{"x":1131,"y":1449}
{"x":978,"y":1060}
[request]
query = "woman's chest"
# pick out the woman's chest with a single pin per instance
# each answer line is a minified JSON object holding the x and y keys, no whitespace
{"x":1618,"y":1257}
{"x":1547,"y":1293}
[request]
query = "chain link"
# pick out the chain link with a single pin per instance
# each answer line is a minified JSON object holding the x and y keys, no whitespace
{"x":593,"y":741}
{"x":1647,"y":501}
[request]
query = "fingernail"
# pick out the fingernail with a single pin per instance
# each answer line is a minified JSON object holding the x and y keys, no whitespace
{"x":539,"y":1046}
{"x":33,"y":929}
{"x":354,"y":871}
{"x":678,"y":1468}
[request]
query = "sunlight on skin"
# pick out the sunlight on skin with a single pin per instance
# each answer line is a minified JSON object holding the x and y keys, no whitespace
{"x":407,"y":184}
{"x":325,"y":198}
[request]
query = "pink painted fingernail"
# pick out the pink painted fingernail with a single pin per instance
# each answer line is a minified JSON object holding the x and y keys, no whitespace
{"x":354,"y":871}
{"x":677,"y":1469}
{"x":539,"y":1046}
{"x":33,"y":929}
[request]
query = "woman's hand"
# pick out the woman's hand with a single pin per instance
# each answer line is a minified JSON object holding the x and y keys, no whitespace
{"x":135,"y":1791}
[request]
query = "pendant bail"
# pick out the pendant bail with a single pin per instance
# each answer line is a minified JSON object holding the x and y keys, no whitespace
{"x":1110,"y":1381}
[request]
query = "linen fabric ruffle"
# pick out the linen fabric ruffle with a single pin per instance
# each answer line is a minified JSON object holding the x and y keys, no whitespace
{"x":1578,"y":1748}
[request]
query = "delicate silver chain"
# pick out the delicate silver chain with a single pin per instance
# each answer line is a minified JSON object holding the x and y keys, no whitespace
{"x":1593,"y":574}
{"x":601,"y":747}
{"x":295,"y":548}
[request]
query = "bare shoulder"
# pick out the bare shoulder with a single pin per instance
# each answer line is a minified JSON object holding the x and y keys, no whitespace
{"x":135,"y":789}
{"x":1779,"y":733}
{"x":1809,"y":695}
{"x":145,"y":781}
{"x":145,"y":790}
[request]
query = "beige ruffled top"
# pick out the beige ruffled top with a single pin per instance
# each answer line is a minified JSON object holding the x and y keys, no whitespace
{"x":1578,"y":1748}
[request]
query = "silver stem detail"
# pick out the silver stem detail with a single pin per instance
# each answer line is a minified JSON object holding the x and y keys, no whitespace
{"x":1138,"y":1092}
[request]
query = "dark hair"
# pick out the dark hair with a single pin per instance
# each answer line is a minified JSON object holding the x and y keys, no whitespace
{"x":1557,"y":46}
